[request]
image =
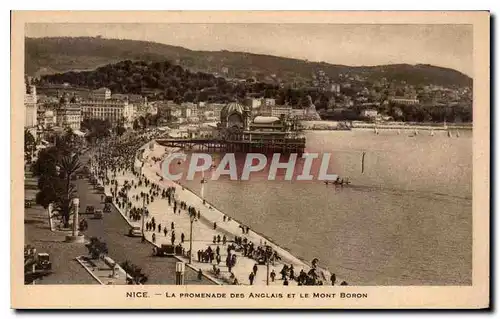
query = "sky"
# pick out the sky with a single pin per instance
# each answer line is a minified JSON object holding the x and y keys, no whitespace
{"x":370,"y":44}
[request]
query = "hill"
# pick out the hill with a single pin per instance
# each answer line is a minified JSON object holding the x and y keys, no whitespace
{"x":62,"y":54}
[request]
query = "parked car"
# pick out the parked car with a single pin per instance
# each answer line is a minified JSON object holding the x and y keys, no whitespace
{"x":164,"y":250}
{"x":43,"y":262}
{"x":135,"y":231}
{"x":98,"y":214}
{"x":107,"y":208}
{"x":90,"y":209}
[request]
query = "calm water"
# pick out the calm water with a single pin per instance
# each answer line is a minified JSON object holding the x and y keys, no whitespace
{"x":407,"y":220}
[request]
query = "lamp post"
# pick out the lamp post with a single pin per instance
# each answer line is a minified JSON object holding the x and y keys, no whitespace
{"x":143,"y":215}
{"x":269,"y":253}
{"x":192,"y":218}
{"x":76,"y":207}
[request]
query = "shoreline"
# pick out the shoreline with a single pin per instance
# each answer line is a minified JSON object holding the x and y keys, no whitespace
{"x":287,"y":256}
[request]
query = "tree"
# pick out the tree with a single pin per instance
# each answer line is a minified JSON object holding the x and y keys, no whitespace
{"x":55,"y":170}
{"x":29,"y":144}
{"x":135,"y":273}
{"x":97,"y":248}
{"x":135,"y":125}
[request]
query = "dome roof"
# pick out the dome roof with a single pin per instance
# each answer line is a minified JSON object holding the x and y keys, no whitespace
{"x":231,"y":108}
{"x":265,"y":119}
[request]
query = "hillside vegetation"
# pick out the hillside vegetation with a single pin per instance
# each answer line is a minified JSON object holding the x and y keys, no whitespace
{"x":62,"y":54}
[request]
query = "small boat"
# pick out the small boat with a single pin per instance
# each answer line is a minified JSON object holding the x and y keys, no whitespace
{"x":432,"y":133}
{"x":399,"y":132}
{"x":458,"y":133}
{"x":376,"y":131}
{"x":449,"y":133}
{"x":416,"y":132}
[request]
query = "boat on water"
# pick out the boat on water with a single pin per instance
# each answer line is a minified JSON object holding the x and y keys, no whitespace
{"x":449,"y":133}
{"x":339,"y":182}
{"x":432,"y":133}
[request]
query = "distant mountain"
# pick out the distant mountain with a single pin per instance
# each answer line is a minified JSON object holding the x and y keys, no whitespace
{"x":62,"y":54}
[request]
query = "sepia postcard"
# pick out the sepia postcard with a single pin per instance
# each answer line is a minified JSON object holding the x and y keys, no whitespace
{"x":195,"y":160}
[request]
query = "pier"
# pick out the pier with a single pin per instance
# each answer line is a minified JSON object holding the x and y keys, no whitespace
{"x":284,"y":145}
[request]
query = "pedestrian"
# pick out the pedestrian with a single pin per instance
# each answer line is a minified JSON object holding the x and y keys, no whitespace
{"x":165,"y":231}
{"x":224,"y":218}
{"x":182,"y":238}
{"x":172,"y":239}
{"x":154,"y":238}
{"x":159,"y":228}
{"x":255,"y":268}
{"x":251,"y":277}
{"x":224,"y":239}
{"x":215,"y":225}
{"x":273,"y":275}
{"x":218,"y":239}
{"x":333,"y":279}
{"x":214,"y":239}
{"x":172,"y":225}
{"x":199,"y":215}
{"x":285,"y":283}
{"x":200,"y":274}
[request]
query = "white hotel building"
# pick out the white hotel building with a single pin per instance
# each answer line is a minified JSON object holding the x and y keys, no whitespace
{"x":102,"y":106}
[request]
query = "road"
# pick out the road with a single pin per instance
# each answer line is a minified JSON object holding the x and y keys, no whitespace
{"x":66,"y":270}
{"x":113,"y":230}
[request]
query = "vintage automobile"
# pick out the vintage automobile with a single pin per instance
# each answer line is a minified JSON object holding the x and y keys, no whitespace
{"x":108,"y":199}
{"x":89,"y":209}
{"x":164,"y":250}
{"x":28,"y":203}
{"x":107,"y":208}
{"x":135,"y":232}
{"x":98,"y":214}
{"x":43,"y":262}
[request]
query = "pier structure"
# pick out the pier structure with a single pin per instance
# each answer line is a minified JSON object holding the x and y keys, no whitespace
{"x":241,"y":131}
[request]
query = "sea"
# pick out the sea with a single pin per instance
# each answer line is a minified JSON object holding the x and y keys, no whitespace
{"x":404,"y":219}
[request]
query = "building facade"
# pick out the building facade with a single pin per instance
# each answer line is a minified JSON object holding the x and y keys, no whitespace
{"x":69,"y":113}
{"x":30,"y":107}
{"x":108,"y":109}
{"x":100,"y":94}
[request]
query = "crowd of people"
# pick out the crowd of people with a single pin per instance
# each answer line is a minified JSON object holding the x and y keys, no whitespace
{"x":117,"y":156}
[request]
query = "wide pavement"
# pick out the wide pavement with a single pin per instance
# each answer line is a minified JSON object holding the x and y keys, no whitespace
{"x":113,"y":230}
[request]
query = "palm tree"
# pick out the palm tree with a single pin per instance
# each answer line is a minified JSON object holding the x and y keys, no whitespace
{"x":135,"y":273}
{"x":29,"y":143}
{"x":68,"y":166}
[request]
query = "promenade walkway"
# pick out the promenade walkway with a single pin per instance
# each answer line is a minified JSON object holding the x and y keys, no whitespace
{"x":203,"y":228}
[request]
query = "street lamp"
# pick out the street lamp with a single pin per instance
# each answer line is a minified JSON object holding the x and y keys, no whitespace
{"x":269,"y":253}
{"x":192,"y":218}
{"x":76,"y":207}
{"x":143,"y":215}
